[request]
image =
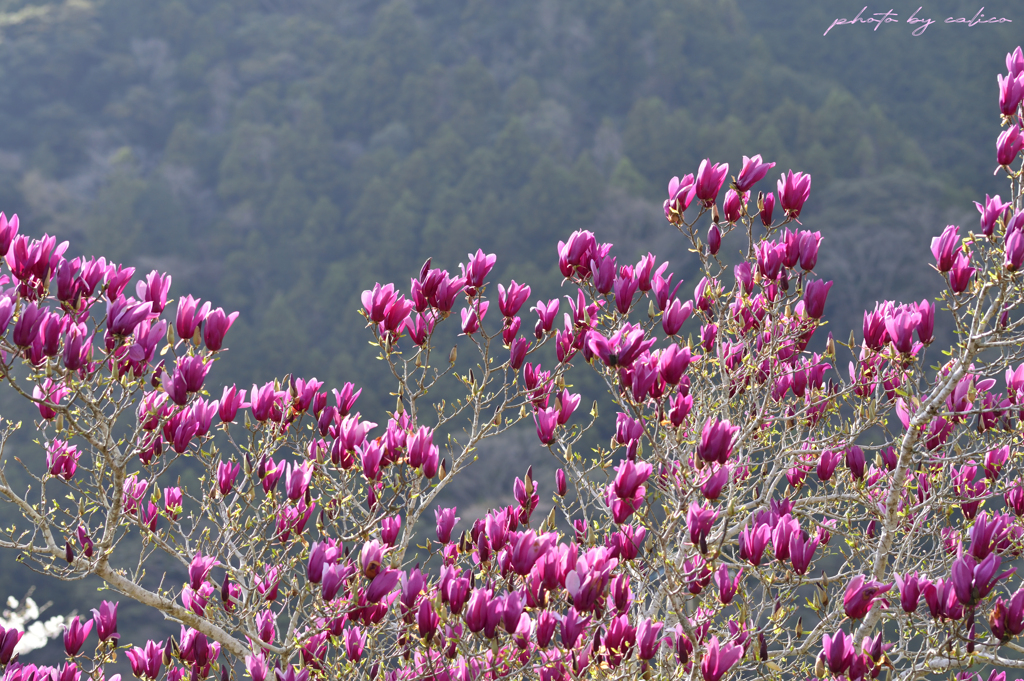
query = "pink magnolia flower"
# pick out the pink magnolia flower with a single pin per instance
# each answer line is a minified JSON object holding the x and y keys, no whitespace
{"x":794,"y":188}
{"x":861,"y":594}
{"x":719,"y":660}
{"x":709,"y":181}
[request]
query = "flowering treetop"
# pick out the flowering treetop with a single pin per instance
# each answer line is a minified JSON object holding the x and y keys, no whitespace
{"x":758,"y":511}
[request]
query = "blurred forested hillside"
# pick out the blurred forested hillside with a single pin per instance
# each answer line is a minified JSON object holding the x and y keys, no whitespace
{"x":279,"y":156}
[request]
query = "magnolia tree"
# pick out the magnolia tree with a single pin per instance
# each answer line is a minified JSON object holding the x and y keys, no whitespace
{"x":758,"y":511}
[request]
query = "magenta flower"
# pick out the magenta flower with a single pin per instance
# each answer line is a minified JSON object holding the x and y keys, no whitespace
{"x":709,"y":181}
{"x":8,"y":230}
{"x":808,"y":246}
{"x":732,"y":208}
{"x":297,"y":479}
{"x":753,"y":171}
{"x":146,"y":662}
{"x":9,"y":639}
{"x":911,"y":587}
{"x":716,"y":440}
{"x":232,"y":399}
{"x":74,"y":636}
{"x":478,"y":268}
{"x":699,"y":521}
{"x":961,"y":272}
{"x":629,"y":480}
{"x":838,"y":651}
{"x":900,"y":327}
{"x":945,"y":246}
{"x":106,"y":621}
{"x":673,"y":363}
{"x":332,"y":578}
{"x":622,"y":349}
{"x":382,"y":585}
{"x":664,"y":292}
{"x":718,"y":661}
{"x":62,"y":460}
{"x":993,"y":211}
{"x":766,"y":207}
{"x":510,"y":301}
{"x":680,"y":194}
{"x":827,"y":464}
{"x":713,"y":485}
{"x":445,"y":519}
{"x":172,"y":501}
{"x":154,"y":290}
{"x":801,"y":551}
{"x":604,"y":273}
{"x":200,"y":568}
{"x":517,"y":353}
{"x":770,"y":259}
{"x":545,"y":421}
{"x":674,"y":317}
{"x":471,"y":318}
{"x":973,"y":581}
{"x":1011,"y":90}
{"x":753,"y":542}
{"x":861,"y":595}
{"x":376,"y":301}
{"x":855,"y":461}
{"x":117,"y":278}
{"x":27,"y":326}
{"x":315,"y":563}
{"x":85,"y":541}
{"x":355,"y":643}
{"x":427,"y":620}
{"x":815,"y":293}
{"x":546,"y":316}
{"x":227,"y":473}
{"x":1014,"y":251}
{"x":1015,"y":62}
{"x":785,"y":527}
{"x":528,"y":548}
{"x":648,"y":639}
{"x":942,"y":601}
{"x":574,"y":256}
{"x":1007,"y":620}
{"x":625,"y":286}
{"x":727,"y":587}
{"x":572,"y":628}
{"x":216,"y":327}
{"x":190,"y":316}
{"x":794,"y":188}
{"x":267,"y":402}
{"x":1008,"y":145}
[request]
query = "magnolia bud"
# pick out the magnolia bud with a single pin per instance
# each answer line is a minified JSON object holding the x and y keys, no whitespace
{"x":819,"y":666}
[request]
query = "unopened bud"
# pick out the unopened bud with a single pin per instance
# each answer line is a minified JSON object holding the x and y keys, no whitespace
{"x":453,"y":355}
{"x":819,"y":667}
{"x":549,"y":524}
